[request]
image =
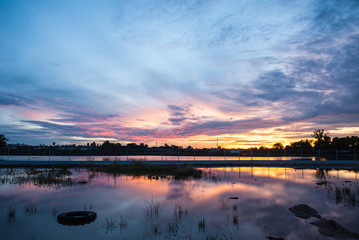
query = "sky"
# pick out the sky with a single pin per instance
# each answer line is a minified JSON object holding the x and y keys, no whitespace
{"x":248,"y":73}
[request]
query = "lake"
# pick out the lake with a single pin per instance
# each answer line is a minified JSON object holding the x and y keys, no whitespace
{"x":226,"y":203}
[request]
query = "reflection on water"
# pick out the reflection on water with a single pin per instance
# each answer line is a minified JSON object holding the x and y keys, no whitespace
{"x":227,"y":203}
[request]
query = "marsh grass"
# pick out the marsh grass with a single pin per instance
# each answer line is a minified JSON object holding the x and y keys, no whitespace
{"x":30,"y":209}
{"x":345,"y":195}
{"x":152,"y":209}
{"x":202,"y":225}
{"x":179,"y":211}
{"x":156,"y":229}
{"x":152,"y":171}
{"x":123,"y":223}
{"x":47,"y":177}
{"x":112,"y":224}
{"x":89,"y":207}
{"x":338,"y":195}
{"x":11,"y":213}
{"x":173,"y":226}
{"x":234,"y":207}
{"x":224,"y":204}
{"x":235,"y":220}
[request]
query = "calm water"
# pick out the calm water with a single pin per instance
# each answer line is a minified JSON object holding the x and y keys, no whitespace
{"x":187,"y":209}
{"x":140,"y":157}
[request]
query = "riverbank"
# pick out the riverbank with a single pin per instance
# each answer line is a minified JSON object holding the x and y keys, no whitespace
{"x":204,"y":163}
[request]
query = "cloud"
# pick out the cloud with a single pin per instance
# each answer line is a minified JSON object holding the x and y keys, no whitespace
{"x":10,"y":99}
{"x":179,"y":114}
{"x":212,"y":128}
{"x":187,"y":67}
{"x":321,"y":73}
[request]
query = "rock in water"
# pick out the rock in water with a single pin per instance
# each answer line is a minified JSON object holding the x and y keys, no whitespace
{"x":330,"y":228}
{"x":304,"y":211}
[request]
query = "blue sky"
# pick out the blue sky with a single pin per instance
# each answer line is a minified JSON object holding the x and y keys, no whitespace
{"x":181,"y":72}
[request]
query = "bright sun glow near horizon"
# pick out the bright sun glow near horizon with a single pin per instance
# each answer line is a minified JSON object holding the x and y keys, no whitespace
{"x":247,"y":73}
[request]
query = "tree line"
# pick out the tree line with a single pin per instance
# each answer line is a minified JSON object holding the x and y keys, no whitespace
{"x":321,"y":142}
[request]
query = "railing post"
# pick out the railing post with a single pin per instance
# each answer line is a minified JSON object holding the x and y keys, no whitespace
{"x":355,"y":156}
{"x":268,"y":152}
{"x":336,"y":154}
{"x":239,"y":154}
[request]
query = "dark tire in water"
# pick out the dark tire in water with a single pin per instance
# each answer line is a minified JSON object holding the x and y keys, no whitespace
{"x":76,"y":218}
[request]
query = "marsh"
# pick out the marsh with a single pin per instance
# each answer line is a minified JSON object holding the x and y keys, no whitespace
{"x":224,"y":203}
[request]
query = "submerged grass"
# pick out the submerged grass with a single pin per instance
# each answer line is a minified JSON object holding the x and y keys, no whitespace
{"x":152,"y":209}
{"x":47,"y":177}
{"x":112,"y":224}
{"x":152,"y":171}
{"x":202,"y":225}
{"x":11,"y":212}
{"x":30,"y":209}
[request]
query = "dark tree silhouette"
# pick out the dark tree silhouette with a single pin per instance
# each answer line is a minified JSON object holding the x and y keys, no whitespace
{"x":302,"y":144}
{"x":322,"y":139}
{"x":345,"y":142}
{"x":3,"y":140}
{"x":278,"y":146}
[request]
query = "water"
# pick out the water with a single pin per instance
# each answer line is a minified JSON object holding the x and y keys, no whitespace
{"x":141,"y":158}
{"x":187,"y":209}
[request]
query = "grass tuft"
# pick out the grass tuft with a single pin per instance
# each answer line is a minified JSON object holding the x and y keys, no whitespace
{"x":152,"y":209}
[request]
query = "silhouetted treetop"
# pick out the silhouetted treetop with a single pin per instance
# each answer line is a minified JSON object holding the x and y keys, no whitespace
{"x":322,"y":139}
{"x":3,"y":140}
{"x":278,"y":146}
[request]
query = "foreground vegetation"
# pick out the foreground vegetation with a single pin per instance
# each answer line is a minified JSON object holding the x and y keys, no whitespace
{"x":155,"y":171}
{"x":62,"y":177}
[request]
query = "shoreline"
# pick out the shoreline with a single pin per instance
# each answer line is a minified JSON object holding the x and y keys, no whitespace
{"x":347,"y":164}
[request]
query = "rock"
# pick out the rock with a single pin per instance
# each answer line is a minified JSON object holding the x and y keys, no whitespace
{"x":233,"y":197}
{"x":274,"y":238}
{"x":330,"y":228}
{"x":304,"y":211}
